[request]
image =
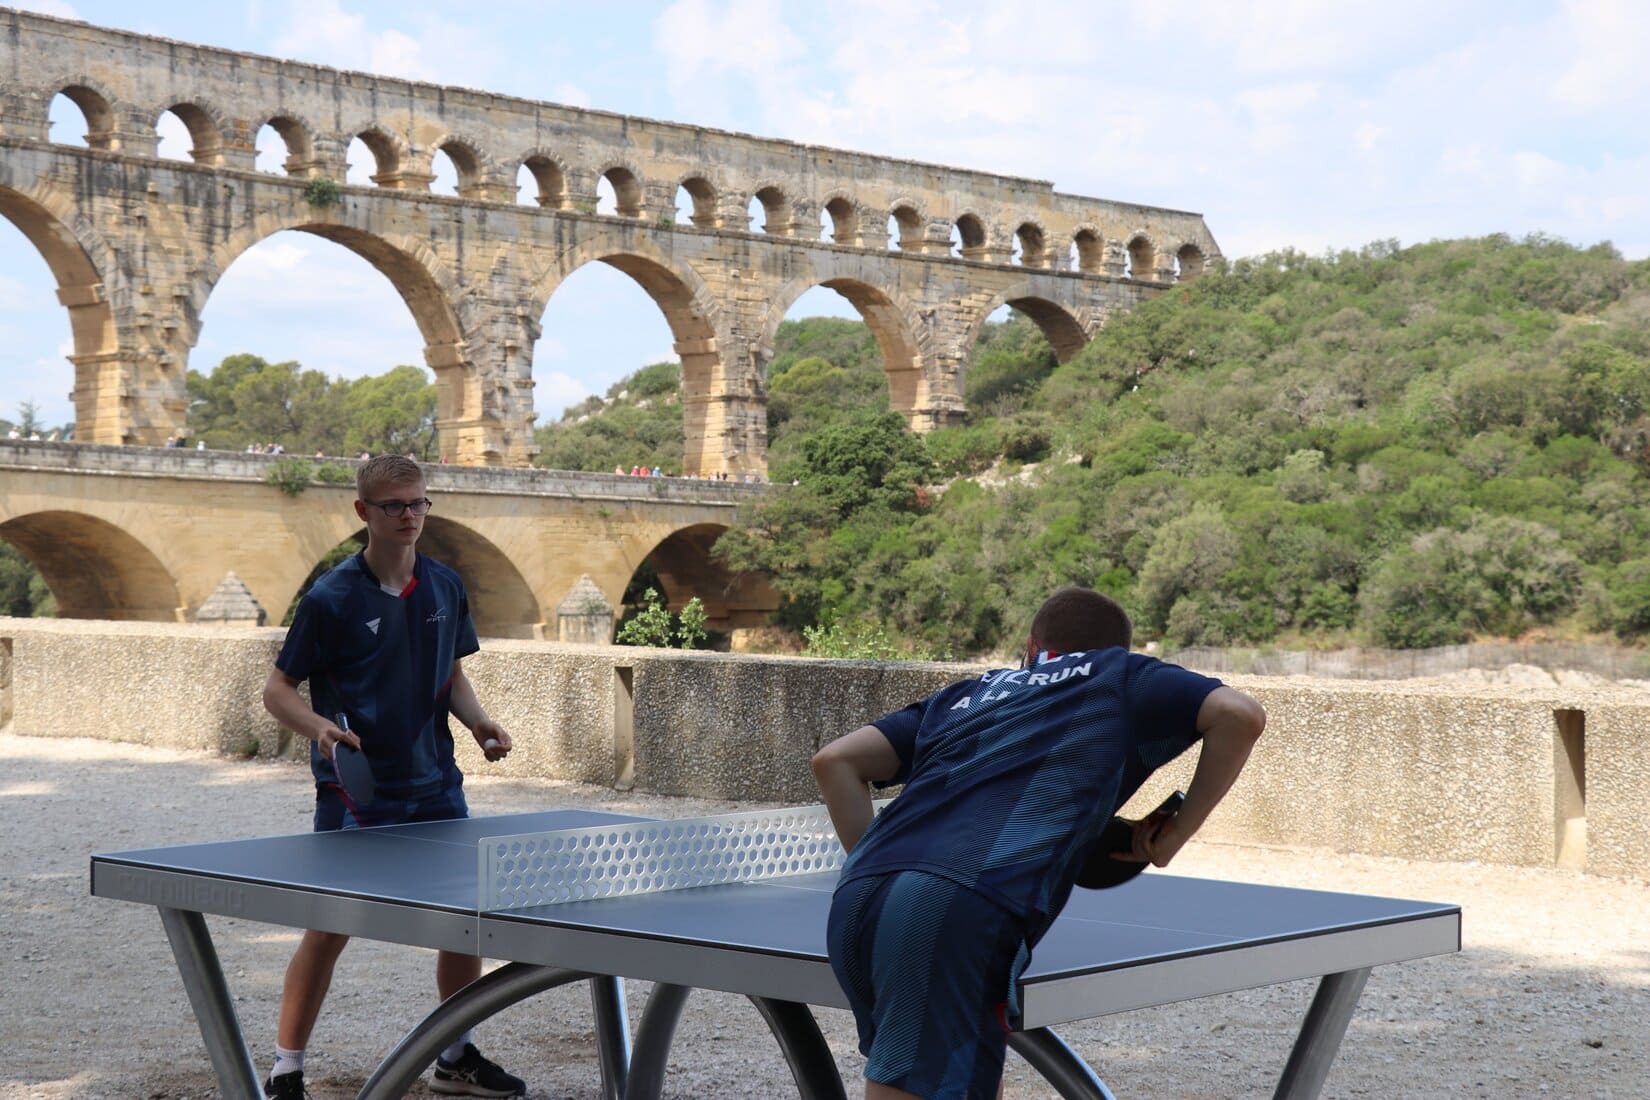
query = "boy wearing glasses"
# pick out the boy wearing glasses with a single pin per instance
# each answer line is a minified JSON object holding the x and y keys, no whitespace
{"x":380,"y":639}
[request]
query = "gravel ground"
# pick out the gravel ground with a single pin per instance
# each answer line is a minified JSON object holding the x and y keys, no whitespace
{"x":1550,"y":997}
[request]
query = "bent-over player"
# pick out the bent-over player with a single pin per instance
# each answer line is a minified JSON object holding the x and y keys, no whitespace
{"x":1008,"y":781}
{"x":380,"y":639}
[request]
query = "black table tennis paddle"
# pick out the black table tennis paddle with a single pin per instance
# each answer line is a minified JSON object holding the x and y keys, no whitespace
{"x":354,"y":773}
{"x":1099,"y":870}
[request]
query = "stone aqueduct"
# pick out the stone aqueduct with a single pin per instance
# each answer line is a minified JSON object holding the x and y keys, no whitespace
{"x":137,"y":242}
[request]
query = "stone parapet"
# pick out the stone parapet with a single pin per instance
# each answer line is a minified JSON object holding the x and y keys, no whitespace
{"x":186,"y":463}
{"x":1506,"y":775}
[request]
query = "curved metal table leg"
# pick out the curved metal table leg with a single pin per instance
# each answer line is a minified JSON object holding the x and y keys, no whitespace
{"x":812,"y":1065}
{"x":653,"y":1037}
{"x":487,"y":995}
{"x":793,"y":1025}
{"x":1060,"y":1066}
{"x":612,"y":1035}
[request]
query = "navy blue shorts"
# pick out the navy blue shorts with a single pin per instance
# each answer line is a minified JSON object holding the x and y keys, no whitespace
{"x":331,"y":813}
{"x":928,"y":967}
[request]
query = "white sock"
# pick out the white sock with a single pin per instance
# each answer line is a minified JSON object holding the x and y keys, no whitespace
{"x":287,"y":1061}
{"x":456,"y":1051}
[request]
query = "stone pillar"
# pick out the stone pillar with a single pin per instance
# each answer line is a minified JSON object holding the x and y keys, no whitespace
{"x":724,"y":409}
{"x":329,"y":158}
{"x":489,"y":188}
{"x":585,"y":617}
{"x":23,"y":115}
{"x":1116,"y":260}
{"x":658,"y":204}
{"x":405,"y":179}
{"x":581,"y":191}
{"x":129,"y":132}
{"x":238,"y":147}
{"x":936,"y":237}
{"x":99,"y":405}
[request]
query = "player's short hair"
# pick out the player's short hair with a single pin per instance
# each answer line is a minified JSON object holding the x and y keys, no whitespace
{"x":1075,"y":619}
{"x":385,"y":470}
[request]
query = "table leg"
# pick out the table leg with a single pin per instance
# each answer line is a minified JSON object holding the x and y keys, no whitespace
{"x":1059,"y":1065}
{"x":612,"y":1035}
{"x":793,"y":1025}
{"x":653,"y":1036}
{"x":1320,"y":1035}
{"x":214,"y":1009}
{"x":489,"y":994}
{"x":806,"y":1052}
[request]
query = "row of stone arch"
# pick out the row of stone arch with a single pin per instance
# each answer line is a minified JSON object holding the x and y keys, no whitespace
{"x":95,"y":569}
{"x":84,"y":264}
{"x":711,"y":202}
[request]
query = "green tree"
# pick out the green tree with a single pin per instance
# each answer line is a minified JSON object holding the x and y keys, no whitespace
{"x":23,"y":592}
{"x":390,"y":413}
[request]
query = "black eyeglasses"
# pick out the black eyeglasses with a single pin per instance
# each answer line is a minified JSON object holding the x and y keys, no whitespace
{"x":394,"y":508}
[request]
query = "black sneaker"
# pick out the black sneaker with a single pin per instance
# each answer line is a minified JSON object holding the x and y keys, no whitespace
{"x":473,"y":1075}
{"x":288,"y":1086}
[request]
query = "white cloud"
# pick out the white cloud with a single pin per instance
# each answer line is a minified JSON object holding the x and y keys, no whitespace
{"x":554,"y":392}
{"x":570,"y":94}
{"x":744,"y":43}
{"x":1606,"y":41}
{"x":322,"y":31}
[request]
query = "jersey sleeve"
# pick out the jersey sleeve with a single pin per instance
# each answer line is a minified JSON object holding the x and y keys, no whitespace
{"x":903,"y":726}
{"x":299,"y":654}
{"x":465,"y":644}
{"x":1163,"y":703}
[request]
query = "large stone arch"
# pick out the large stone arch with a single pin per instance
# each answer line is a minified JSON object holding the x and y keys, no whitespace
{"x":692,"y":315}
{"x":891,"y":318}
{"x":427,"y":285}
{"x":94,"y":569}
{"x":502,"y":603}
{"x":1063,"y":331}
{"x":686,"y":568}
{"x":77,"y":259}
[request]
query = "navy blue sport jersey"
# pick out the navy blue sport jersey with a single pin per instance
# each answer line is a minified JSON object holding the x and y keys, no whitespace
{"x":1010,"y":776}
{"x":386,"y":660}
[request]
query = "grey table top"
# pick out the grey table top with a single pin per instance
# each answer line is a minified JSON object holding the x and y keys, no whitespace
{"x":1157,"y":939}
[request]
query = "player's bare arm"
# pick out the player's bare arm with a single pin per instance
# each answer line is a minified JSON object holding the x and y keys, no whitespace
{"x":1230,"y":722}
{"x":282,"y":700}
{"x":466,"y":707}
{"x":843,"y":768}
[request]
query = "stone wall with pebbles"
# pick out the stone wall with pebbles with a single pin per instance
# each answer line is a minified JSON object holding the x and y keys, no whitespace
{"x":1534,"y":771}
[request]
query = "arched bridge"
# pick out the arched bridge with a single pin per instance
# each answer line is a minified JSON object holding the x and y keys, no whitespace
{"x":137,"y":243}
{"x":143,"y":533}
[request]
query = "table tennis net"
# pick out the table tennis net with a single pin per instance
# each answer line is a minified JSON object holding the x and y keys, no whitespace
{"x":645,"y":857}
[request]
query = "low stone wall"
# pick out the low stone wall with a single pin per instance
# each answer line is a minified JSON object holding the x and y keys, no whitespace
{"x":1539,"y":777}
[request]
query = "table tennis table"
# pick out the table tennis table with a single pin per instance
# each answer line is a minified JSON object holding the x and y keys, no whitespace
{"x":1159,"y":939}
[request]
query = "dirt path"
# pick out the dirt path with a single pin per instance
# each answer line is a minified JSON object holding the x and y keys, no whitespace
{"x":1551,"y":996}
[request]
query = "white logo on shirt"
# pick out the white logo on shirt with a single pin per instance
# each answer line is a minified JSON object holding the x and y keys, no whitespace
{"x":437,"y":616}
{"x":372,"y":624}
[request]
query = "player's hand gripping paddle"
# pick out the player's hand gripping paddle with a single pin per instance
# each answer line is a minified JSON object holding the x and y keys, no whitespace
{"x":354,"y":773}
{"x":1100,"y":870}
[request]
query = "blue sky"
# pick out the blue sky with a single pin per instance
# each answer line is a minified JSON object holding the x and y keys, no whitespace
{"x":1288,"y":123}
